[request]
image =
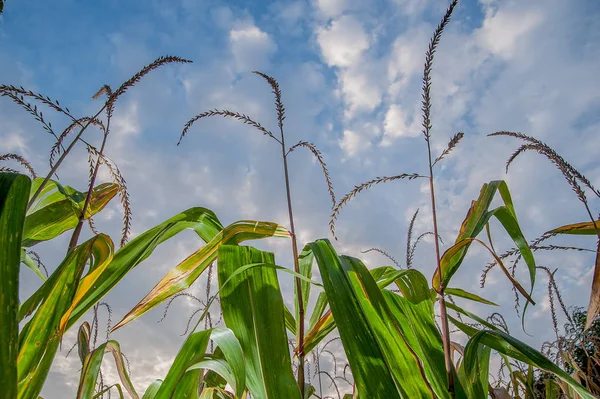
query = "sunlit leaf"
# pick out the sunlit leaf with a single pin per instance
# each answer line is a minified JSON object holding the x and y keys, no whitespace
{"x":184,"y":274}
{"x":253,"y":309}
{"x":382,"y":361}
{"x":54,"y":218}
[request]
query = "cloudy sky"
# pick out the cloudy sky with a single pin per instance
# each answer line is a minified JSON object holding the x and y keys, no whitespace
{"x":350,"y":73}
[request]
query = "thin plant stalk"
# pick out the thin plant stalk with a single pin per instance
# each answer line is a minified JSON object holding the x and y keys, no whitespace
{"x":426,"y":107}
{"x":88,"y":198}
{"x":301,"y":354}
{"x":62,"y":158}
{"x":442,"y":301}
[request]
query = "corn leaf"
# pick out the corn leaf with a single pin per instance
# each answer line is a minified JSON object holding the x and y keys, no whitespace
{"x":476,"y":219}
{"x":474,"y":370}
{"x":91,"y":370}
{"x":184,"y":274}
{"x":203,"y":221}
{"x":305,"y":261}
{"x":14,"y":190}
{"x":468,"y":295}
{"x":37,"y":339}
{"x":594,"y":306}
{"x":512,"y":347}
{"x":416,"y":323}
{"x":583,"y":228}
{"x":54,"y":218}
{"x":177,"y":381}
{"x":152,"y":390}
{"x":253,"y":309}
{"x":30,"y":263}
{"x":318,"y":310}
{"x":411,"y":283}
{"x":382,"y":364}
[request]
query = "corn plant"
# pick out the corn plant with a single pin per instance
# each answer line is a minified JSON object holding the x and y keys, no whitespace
{"x":390,"y":336}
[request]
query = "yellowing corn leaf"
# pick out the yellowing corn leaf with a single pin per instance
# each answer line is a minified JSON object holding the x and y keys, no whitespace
{"x":184,"y":274}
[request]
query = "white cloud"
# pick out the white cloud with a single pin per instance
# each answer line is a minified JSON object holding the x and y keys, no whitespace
{"x":332,"y":8}
{"x":353,"y":143}
{"x":396,"y":125}
{"x":360,"y":90}
{"x":503,"y":31}
{"x":407,"y":57}
{"x":251,"y":47}
{"x":343,"y":42}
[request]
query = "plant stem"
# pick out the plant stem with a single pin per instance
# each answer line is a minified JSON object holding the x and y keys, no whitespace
{"x":88,"y":198}
{"x":301,"y":353}
{"x":443,"y":311}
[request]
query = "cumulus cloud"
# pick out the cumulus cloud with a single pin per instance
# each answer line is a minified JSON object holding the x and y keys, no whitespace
{"x":396,"y":125}
{"x":251,"y":47}
{"x":343,"y":41}
{"x":503,"y":31}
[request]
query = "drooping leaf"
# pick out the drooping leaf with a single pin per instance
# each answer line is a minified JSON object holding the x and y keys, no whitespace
{"x":184,"y":274}
{"x":411,"y":283}
{"x":30,"y":263}
{"x":203,"y":221}
{"x":594,"y":305}
{"x":512,"y":347}
{"x":14,"y":191}
{"x":57,"y":216}
{"x":253,"y":309}
{"x":477,"y":218}
{"x":91,"y":370}
{"x":583,"y":228}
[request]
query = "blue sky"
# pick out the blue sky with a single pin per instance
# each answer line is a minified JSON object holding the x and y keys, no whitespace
{"x":350,"y":73}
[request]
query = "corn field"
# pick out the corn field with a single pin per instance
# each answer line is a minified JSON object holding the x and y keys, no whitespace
{"x":392,"y":322}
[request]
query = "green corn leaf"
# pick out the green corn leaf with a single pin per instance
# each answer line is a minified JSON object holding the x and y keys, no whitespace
{"x":219,"y":366}
{"x":55,"y":217}
{"x":382,"y":363}
{"x":37,"y":339}
{"x":152,"y":390}
{"x":30,"y":263}
{"x":474,"y":370}
{"x":290,"y":322}
{"x":14,"y":190}
{"x":476,"y":219}
{"x":416,"y":324}
{"x":91,"y":370}
{"x":177,"y":381}
{"x":184,"y":274}
{"x":468,"y":295}
{"x":411,"y":283}
{"x":318,"y":310}
{"x":305,"y":261}
{"x":512,"y":347}
{"x":203,"y":221}
{"x":253,"y":309}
